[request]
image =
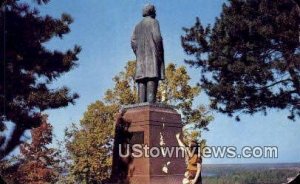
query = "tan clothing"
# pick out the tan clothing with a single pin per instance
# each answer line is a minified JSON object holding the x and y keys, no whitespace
{"x":193,"y":161}
{"x":192,"y":167}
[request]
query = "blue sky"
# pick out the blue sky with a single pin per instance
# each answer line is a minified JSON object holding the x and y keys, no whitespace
{"x":103,"y":29}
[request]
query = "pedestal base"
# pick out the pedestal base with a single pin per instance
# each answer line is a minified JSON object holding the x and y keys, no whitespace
{"x":155,"y":126}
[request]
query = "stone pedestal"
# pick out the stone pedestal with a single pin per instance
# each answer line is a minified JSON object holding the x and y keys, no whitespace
{"x":155,"y":125}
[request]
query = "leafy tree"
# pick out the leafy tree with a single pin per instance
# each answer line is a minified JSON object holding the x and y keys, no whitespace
{"x":250,"y":58}
{"x":177,"y":91}
{"x":174,"y":90}
{"x":28,"y":68}
{"x":7,"y":170}
{"x":64,"y":157}
{"x":36,"y":163}
{"x":90,"y":144}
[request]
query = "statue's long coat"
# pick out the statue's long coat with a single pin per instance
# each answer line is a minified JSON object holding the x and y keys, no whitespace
{"x":147,"y":45}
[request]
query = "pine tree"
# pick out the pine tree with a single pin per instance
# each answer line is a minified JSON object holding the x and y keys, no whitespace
{"x":250,"y":58}
{"x":28,"y":68}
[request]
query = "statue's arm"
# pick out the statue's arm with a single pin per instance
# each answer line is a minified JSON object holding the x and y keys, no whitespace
{"x":157,"y":35}
{"x":133,"y":41}
{"x":159,"y":46}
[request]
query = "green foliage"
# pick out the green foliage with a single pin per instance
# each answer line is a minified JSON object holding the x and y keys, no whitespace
{"x":90,"y":144}
{"x":29,"y":68}
{"x":250,"y":58}
{"x":124,"y":91}
{"x":241,"y":174}
{"x":177,"y":91}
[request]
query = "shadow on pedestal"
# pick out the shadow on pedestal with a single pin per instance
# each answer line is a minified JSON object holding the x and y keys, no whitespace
{"x":153,"y":125}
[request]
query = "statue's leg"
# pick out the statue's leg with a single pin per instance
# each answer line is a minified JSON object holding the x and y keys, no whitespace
{"x":142,"y":91}
{"x":152,"y":90}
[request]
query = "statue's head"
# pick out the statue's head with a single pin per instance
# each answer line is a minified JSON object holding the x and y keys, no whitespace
{"x":149,"y":10}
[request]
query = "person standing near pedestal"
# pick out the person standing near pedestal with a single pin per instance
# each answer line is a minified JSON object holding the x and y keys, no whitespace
{"x":147,"y":44}
{"x":194,"y":161}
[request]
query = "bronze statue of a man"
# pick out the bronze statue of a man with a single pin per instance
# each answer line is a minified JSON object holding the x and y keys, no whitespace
{"x":147,"y":45}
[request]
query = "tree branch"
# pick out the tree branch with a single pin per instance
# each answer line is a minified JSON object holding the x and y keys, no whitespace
{"x":13,"y":142}
{"x":275,"y":83}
